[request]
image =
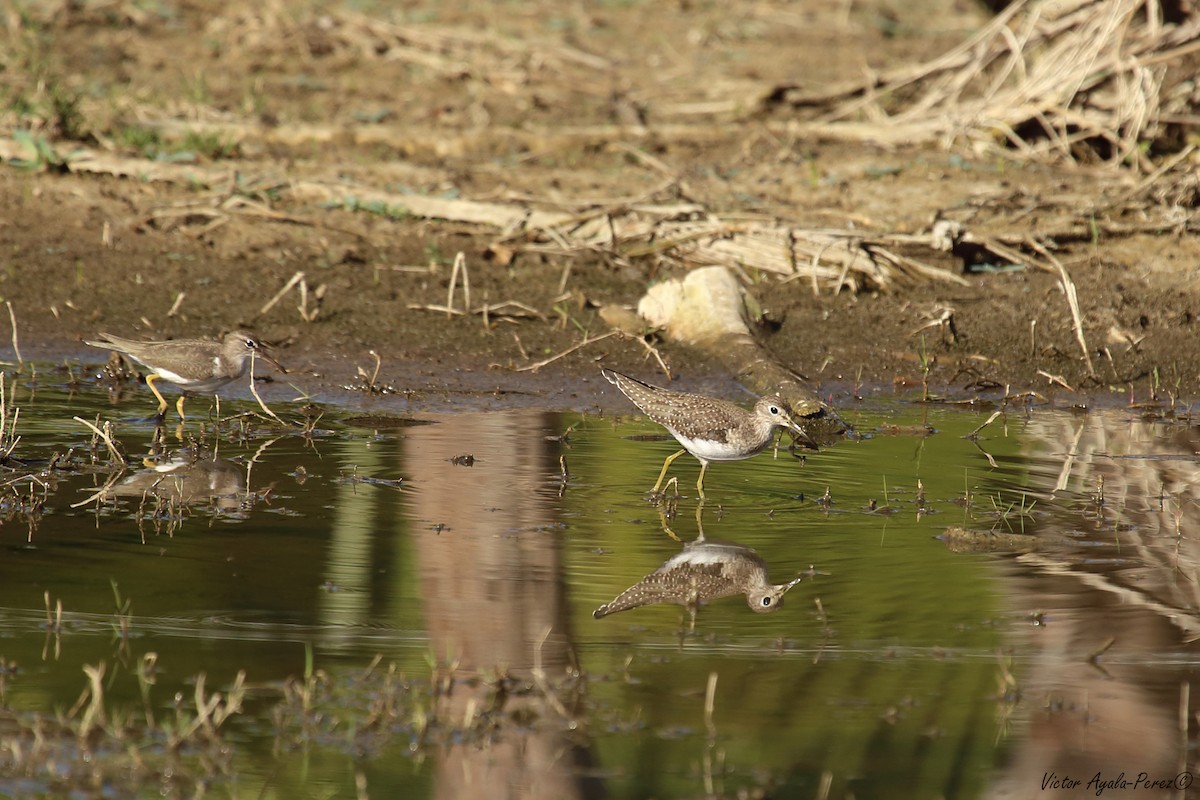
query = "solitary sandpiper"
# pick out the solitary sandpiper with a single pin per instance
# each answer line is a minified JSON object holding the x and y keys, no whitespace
{"x":704,"y":571}
{"x":195,"y":365}
{"x":709,"y":428}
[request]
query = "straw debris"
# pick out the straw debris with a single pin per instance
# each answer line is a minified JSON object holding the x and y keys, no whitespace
{"x":1083,"y":80}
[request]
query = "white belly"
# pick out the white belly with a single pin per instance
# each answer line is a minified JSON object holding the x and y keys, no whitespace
{"x":708,"y":450}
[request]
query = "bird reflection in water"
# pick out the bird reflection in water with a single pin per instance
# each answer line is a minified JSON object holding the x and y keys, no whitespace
{"x":705,"y":570}
{"x":167,"y":489}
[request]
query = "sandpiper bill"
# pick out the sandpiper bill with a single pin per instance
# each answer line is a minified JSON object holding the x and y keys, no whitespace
{"x":709,"y":428}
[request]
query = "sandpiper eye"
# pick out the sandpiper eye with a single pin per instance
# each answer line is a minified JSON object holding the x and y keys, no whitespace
{"x":251,"y":344}
{"x":766,"y":601}
{"x":774,"y":410}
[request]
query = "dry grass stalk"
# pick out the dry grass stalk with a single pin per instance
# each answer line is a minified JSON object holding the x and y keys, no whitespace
{"x":373,"y":380}
{"x":298,"y":280}
{"x":511,"y":309}
{"x":318,"y":295}
{"x":8,"y":428}
{"x":460,"y":267}
{"x":1185,"y":692}
{"x":710,"y":696}
{"x":12,"y":318}
{"x":653,"y":351}
{"x":101,"y":494}
{"x":508,"y":310}
{"x":539,"y":678}
{"x":587,"y":341}
{"x":975,"y":433}
{"x":93,"y":714}
{"x":1152,"y":179}
{"x":295,"y":279}
{"x":212,"y":710}
{"x":1072,"y":303}
{"x":197,"y":218}
{"x":105,"y":437}
{"x":1065,"y":72}
{"x":1056,"y":379}
{"x":254,"y":391}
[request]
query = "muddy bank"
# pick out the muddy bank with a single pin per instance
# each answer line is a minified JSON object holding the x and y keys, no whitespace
{"x":1003,"y":334}
{"x":601,"y":117}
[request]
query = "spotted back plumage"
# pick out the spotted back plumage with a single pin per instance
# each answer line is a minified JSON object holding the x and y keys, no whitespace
{"x":709,"y":428}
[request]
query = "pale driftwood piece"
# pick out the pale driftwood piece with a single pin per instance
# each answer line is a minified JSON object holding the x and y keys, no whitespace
{"x":494,"y":214}
{"x":832,"y":257}
{"x":706,"y":310}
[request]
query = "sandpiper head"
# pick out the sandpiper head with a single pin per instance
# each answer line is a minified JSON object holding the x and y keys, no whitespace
{"x":237,"y":346}
{"x":774,"y":411}
{"x":769,"y":598}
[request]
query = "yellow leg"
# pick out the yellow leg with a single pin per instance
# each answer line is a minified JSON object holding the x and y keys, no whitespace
{"x":162,"y":401}
{"x":666,"y":526}
{"x":179,"y":406}
{"x":663,"y":474}
{"x":700,"y":480}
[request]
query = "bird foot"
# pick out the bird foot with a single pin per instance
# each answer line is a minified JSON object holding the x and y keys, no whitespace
{"x":669,"y":494}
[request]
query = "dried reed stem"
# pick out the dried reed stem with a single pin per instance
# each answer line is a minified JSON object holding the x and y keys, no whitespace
{"x":299,"y":276}
{"x":12,"y":318}
{"x":254,"y":391}
{"x":8,"y":430}
{"x":103,"y":434}
{"x":1072,"y":302}
{"x":710,"y":697}
{"x":589,"y":340}
{"x":975,"y":433}
{"x":460,"y":266}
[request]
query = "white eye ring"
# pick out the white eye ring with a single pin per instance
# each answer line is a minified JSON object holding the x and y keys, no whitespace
{"x":774,"y":410}
{"x":766,"y":601}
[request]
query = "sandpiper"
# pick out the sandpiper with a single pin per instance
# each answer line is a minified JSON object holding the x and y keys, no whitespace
{"x":704,"y":571}
{"x":195,"y":365}
{"x":709,"y":428}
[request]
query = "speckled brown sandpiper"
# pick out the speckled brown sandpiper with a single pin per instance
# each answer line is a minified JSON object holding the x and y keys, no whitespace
{"x":194,"y":365}
{"x":709,"y":428}
{"x":704,"y":571}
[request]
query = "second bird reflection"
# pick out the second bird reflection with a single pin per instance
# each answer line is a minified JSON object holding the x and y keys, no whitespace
{"x":705,"y":570}
{"x":184,"y":480}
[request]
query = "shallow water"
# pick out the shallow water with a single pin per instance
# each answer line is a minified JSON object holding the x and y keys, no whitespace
{"x":469,"y":552}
